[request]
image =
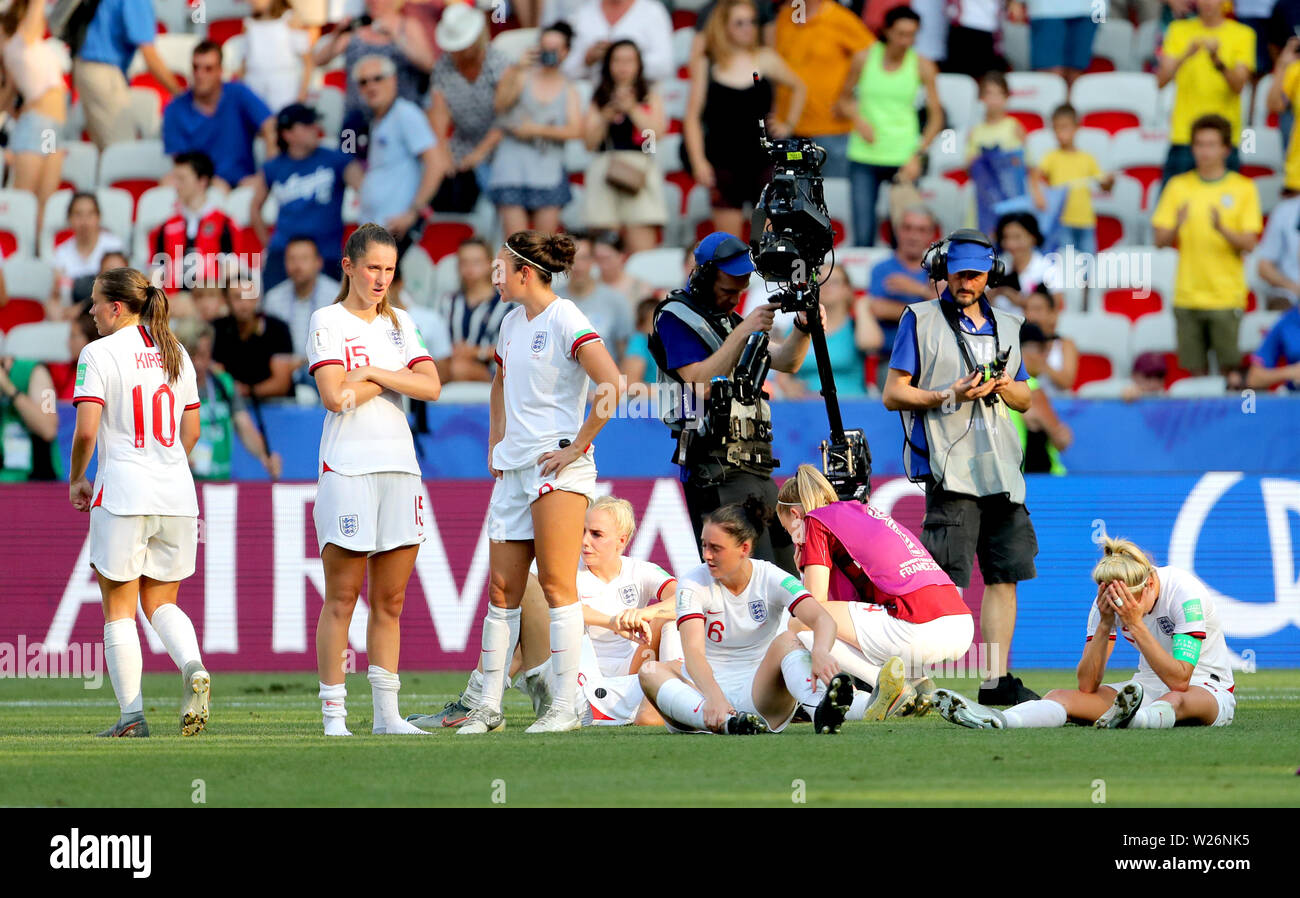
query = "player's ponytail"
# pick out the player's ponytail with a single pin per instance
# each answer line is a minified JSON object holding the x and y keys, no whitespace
{"x":134,"y":291}
{"x":743,"y":522}
{"x":808,"y":488}
{"x":355,"y":250}
{"x":1123,"y":561}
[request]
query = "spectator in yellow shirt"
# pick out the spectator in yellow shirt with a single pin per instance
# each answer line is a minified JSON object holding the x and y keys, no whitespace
{"x":1214,"y":216}
{"x":1284,"y":92}
{"x":1210,"y":58}
{"x":1072,"y":167}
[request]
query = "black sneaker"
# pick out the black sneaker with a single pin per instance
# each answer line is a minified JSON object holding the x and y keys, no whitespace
{"x":1009,"y":691}
{"x":133,"y":727}
{"x":744,"y":724}
{"x":834,"y":707}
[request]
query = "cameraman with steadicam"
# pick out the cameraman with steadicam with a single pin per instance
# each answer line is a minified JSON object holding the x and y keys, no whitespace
{"x":954,"y":371}
{"x":699,"y":337}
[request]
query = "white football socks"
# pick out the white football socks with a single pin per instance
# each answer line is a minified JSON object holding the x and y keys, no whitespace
{"x":333,"y":708}
{"x":566,"y":653}
{"x":384,"y":686}
{"x":796,"y":670}
{"x":500,"y":634}
{"x":177,"y":634}
{"x":1039,"y":713}
{"x":474,"y":689}
{"x":858,"y":710}
{"x":670,"y":643}
{"x":680,"y":703}
{"x":849,"y":659}
{"x":1155,"y":716}
{"x":125,"y":664}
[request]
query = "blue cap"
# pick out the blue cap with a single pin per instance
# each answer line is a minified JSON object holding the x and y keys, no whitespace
{"x":727,"y":251}
{"x":969,"y":257}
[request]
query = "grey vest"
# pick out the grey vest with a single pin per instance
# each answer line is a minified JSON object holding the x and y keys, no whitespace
{"x":979,"y":457}
{"x":672,"y":412}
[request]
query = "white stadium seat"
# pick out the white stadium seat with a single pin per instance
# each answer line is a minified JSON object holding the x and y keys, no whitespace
{"x":419,"y":275}
{"x":675,"y":92}
{"x":1254,"y":327}
{"x":329,"y":102}
{"x":45,"y":341}
{"x":146,"y":113}
{"x":1262,"y":146}
{"x":945,"y":199}
{"x":1208,"y":387}
{"x":1099,"y":333}
{"x":959,"y":96}
{"x":136,"y":159}
{"x":1037,"y":92}
{"x":682,"y":40}
{"x":1133,"y":92}
{"x":116,"y":212}
{"x":514,"y":42}
{"x":839,"y":202}
{"x":660,"y":267}
{"x":1111,"y":388}
{"x":18,"y":217}
{"x":668,"y":153}
{"x":81,"y":164}
{"x":1015,"y":45}
{"x":448,"y":274}
{"x":1153,"y":333}
{"x":156,"y":205}
{"x":27,"y":278}
{"x":858,"y":261}
{"x":1113,"y":40}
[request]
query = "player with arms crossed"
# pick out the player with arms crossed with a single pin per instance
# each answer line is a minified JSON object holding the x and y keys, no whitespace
{"x":1183,"y":679}
{"x":895,"y":610}
{"x":369,"y":513}
{"x":137,"y":399}
{"x":745,"y":673}
{"x":540,"y":453}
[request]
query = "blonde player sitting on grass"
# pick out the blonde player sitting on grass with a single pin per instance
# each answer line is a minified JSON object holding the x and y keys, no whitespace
{"x":1183,"y":679}
{"x":745,"y":672}
{"x":628,"y":606}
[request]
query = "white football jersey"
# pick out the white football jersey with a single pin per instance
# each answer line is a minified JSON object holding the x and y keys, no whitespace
{"x":637,"y":585}
{"x":1184,"y":606}
{"x":142,"y":465}
{"x":738,"y":629}
{"x":373,"y":437}
{"x":545,"y":386}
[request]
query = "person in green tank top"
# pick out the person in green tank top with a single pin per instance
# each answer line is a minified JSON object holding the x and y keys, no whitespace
{"x":1043,"y":436}
{"x":29,"y":424}
{"x":879,"y":97}
{"x":221,"y":409}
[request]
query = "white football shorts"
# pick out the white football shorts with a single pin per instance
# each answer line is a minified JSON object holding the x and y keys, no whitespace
{"x":738,"y":686}
{"x":510,"y":515}
{"x":369,"y":513}
{"x":1153,"y":689}
{"x":881,"y":637}
{"x":126,"y":547}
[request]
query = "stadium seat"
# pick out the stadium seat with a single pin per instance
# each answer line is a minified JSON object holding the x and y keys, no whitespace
{"x":81,"y":164}
{"x":946,"y":200}
{"x":514,"y":42}
{"x":948,"y":157}
{"x":1114,"y":101}
{"x":1113,"y":40}
{"x":441,"y":238}
{"x":1132,"y":303}
{"x":238,"y":204}
{"x":45,"y":341}
{"x":1099,"y":336}
{"x":1036,"y":92}
{"x":222,"y":30}
{"x":116,"y":210}
{"x":1121,"y":207}
{"x":156,"y":205}
{"x":336,"y":78}
{"x":1140,"y":153}
{"x":1265,"y":156}
{"x":176,"y":50}
{"x":17,"y":223}
{"x":329,"y":103}
{"x":1207,"y":387}
{"x":839,"y":202}
{"x":959,"y":96}
{"x":668,"y":153}
{"x":675,"y":91}
{"x":419,"y":275}
{"x":1259,"y":116}
{"x":1254,"y":327}
{"x":27,"y":278}
{"x":351,"y":207}
{"x":1091,"y":140}
{"x":1144,"y":42}
{"x":660,"y":268}
{"x":1156,"y":333}
{"x":1015,"y":45}
{"x":447,"y":275}
{"x":859,"y":260}
{"x":698,"y":212}
{"x":1270,"y":192}
{"x":682,"y":39}
{"x":134,"y":167}
{"x":1110,"y":388}
{"x":146,"y":113}
{"x":18,"y":312}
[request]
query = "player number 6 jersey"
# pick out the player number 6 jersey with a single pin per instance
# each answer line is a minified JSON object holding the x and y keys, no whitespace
{"x":738,"y":628}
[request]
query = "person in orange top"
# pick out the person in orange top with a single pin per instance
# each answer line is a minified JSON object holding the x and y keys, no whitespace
{"x":818,"y":40}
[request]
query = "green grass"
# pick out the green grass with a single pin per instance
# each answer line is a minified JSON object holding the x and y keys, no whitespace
{"x":263,"y":748}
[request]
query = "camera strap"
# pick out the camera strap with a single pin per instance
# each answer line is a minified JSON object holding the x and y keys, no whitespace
{"x":952,"y":315}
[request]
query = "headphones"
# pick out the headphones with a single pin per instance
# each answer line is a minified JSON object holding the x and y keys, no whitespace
{"x":705,"y":274}
{"x":935,"y":260}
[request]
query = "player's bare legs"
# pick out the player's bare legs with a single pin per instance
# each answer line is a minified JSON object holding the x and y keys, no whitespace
{"x":389,"y":573}
{"x":122,"y":654}
{"x":558,"y":519}
{"x":1195,"y":707}
{"x":1081,"y":707}
{"x":534,"y":629}
{"x":174,"y":628}
{"x":345,"y":572}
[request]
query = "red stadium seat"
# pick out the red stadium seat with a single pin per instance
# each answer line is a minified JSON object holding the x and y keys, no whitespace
{"x":1092,"y":367}
{"x":348,"y":228}
{"x":1257,"y":171}
{"x":1146,"y":175}
{"x":20,"y":311}
{"x":1030,"y":121}
{"x":1099,"y":64}
{"x":442,"y":238}
{"x":8,"y":243}
{"x":1110,"y":231}
{"x":1173,"y":371}
{"x":337,"y":78}
{"x":146,"y":79}
{"x":1110,"y":120}
{"x":1133,"y":306}
{"x":135,"y":186}
{"x":958,"y":176}
{"x":223,"y":30}
{"x":684,"y":18}
{"x":1251,"y":302}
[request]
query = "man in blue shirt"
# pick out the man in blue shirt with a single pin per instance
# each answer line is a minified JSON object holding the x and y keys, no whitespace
{"x":307,"y":181}
{"x":220,"y":119}
{"x":1277,"y":361}
{"x":118,"y":29}
{"x":899,"y":280}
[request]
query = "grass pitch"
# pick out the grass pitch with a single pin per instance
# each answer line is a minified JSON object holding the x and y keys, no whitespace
{"x":264,"y":748}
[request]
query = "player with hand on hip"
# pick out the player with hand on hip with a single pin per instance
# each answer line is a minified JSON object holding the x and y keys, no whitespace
{"x":1184,"y":677}
{"x":369,"y":513}
{"x":137,"y":399}
{"x":745,"y":673}
{"x":540,"y":453}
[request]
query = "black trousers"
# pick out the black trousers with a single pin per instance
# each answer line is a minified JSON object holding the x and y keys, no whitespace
{"x":736,"y":486}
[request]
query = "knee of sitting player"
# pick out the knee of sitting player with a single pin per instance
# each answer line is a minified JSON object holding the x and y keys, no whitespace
{"x":787,"y":642}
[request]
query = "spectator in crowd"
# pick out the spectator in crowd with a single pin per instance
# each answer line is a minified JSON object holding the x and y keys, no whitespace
{"x":1278,"y":254}
{"x":1043,"y":436}
{"x":720,"y":131}
{"x":998,"y":137}
{"x":539,"y":110}
{"x":192,"y":246}
{"x":209,"y":303}
{"x":78,"y":256}
{"x":405,"y":163}
{"x":1060,"y":36}
{"x":277,"y":64}
{"x":307,"y":181}
{"x":1149,"y":372}
{"x":29,"y":422}
{"x":390,"y":34}
{"x":899,"y":281}
{"x":1210,"y":59}
{"x":1283,"y":94}
{"x":611,"y":258}
{"x":433,"y":328}
{"x":767,"y":15}
{"x":879,"y":98}
{"x":1060,"y":362}
{"x":821,"y":46}
{"x":34,"y":73}
{"x":852,"y":334}
{"x":972,"y":26}
{"x":1257,"y":15}
{"x":624,"y":186}
{"x":306,"y":290}
{"x":223,"y":414}
{"x":462,"y":101}
{"x":1026,"y":267}
{"x":638,"y":364}
{"x":1068,"y":166}
{"x":1277,"y":360}
{"x":253,"y":348}
{"x":1214,"y":216}
{"x":1141,"y":11}
{"x":608,"y":310}
{"x":473,"y":314}
{"x":219,"y":118}
{"x":599,"y":23}
{"x":117,"y":30}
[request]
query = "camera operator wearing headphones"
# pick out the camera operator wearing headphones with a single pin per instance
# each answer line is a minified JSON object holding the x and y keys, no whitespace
{"x":698,"y":337}
{"x":951,"y":380}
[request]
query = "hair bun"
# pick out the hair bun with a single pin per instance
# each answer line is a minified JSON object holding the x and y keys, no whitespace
{"x":758,"y":512}
{"x":559,"y":251}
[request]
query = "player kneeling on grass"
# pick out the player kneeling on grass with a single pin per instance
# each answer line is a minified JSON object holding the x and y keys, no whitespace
{"x":1184,"y":677}
{"x":895,"y":610}
{"x":745,"y":672}
{"x":623,"y":629}
{"x":137,"y":398}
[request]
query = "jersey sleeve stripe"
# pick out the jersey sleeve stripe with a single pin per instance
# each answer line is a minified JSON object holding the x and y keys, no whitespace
{"x":76,"y":399}
{"x":659,"y":593}
{"x":799,"y":599}
{"x":191,"y":406}
{"x":497,"y":356}
{"x":1198,"y":634}
{"x":415,"y":361}
{"x":685,"y":617}
{"x":582,"y":340}
{"x":324,"y":362}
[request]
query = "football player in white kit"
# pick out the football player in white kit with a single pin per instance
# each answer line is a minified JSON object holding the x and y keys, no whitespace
{"x":745,"y":672}
{"x":1184,"y":677}
{"x":540,"y":453}
{"x":137,"y":399}
{"x":369,"y":512}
